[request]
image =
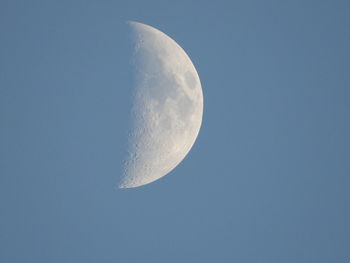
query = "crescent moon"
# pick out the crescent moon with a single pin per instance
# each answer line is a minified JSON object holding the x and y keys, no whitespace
{"x":167,"y":107}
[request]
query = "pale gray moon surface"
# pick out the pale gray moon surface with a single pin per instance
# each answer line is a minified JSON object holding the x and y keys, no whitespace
{"x":167,"y":107}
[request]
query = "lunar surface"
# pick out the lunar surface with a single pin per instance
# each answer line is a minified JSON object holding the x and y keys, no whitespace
{"x":167,"y":107}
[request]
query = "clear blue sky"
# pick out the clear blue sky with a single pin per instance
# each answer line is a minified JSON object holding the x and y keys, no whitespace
{"x":269,"y":176}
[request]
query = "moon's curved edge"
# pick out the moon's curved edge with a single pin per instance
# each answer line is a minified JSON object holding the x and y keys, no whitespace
{"x":124,"y":183}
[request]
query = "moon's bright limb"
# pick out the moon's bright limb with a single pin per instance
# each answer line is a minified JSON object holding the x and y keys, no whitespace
{"x":168,"y":107}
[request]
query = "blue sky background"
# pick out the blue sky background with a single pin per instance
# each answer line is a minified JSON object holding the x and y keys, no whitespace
{"x":267,"y":179}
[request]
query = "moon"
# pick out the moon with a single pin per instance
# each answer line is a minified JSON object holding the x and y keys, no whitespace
{"x":167,"y":107}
